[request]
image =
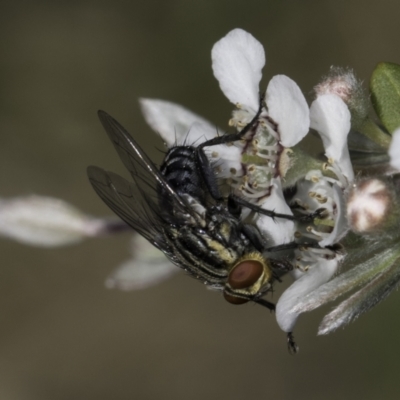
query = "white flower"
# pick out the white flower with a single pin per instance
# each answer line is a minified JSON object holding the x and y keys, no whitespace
{"x":331,"y":118}
{"x":238,"y":60}
{"x":46,"y":221}
{"x":147,"y":267}
{"x":286,"y":316}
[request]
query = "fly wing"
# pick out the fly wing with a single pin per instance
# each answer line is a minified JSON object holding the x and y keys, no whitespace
{"x":132,"y":205}
{"x":142,"y":169}
{"x":138,"y":203}
{"x":138,"y":210}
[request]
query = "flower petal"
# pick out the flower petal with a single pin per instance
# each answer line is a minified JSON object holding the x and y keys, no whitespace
{"x":171,"y":121}
{"x":311,"y":280}
{"x":331,"y":118}
{"x":341,"y":225}
{"x":394,"y":150}
{"x":198,"y":133}
{"x":226,"y":160}
{"x":147,"y":267}
{"x":374,"y":260}
{"x":45,"y":221}
{"x":288,"y":107}
{"x":279,"y":230}
{"x":237,"y":62}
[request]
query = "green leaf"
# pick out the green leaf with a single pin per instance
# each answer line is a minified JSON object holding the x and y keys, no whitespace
{"x":385,"y":91}
{"x":363,"y":300}
{"x":375,"y":260}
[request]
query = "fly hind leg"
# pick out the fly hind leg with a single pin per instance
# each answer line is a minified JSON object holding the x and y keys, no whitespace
{"x":302,"y":218}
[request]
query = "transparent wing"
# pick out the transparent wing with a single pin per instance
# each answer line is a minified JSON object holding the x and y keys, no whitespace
{"x":131,"y":204}
{"x":138,"y":210}
{"x":142,"y":169}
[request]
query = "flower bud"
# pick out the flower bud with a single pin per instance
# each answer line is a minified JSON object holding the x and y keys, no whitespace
{"x":343,"y":83}
{"x":369,"y":205}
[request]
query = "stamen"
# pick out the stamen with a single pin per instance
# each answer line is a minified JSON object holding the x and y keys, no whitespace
{"x":269,"y":157}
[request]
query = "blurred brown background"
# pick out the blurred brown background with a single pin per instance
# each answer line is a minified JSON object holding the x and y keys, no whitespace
{"x":62,"y":334}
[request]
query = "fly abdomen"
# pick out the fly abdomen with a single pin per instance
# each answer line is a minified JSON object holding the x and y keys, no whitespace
{"x":180,"y":170}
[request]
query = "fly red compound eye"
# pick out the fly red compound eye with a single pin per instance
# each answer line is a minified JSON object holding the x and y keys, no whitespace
{"x":234,"y":300}
{"x":245,"y":274}
{"x":242,"y":276}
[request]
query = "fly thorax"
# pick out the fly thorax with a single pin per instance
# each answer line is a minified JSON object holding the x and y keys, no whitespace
{"x":226,"y":229}
{"x":227,"y":255}
{"x":248,"y":279}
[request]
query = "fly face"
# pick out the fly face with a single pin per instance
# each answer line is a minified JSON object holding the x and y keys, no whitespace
{"x":179,"y":209}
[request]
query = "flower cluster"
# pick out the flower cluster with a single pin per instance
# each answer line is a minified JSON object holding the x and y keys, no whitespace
{"x":270,"y":169}
{"x":263,"y":167}
{"x":341,"y":208}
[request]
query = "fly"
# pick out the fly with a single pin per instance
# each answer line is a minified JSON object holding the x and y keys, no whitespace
{"x":179,"y":209}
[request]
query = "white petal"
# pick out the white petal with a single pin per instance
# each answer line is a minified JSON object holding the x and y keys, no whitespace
{"x":331,"y":118}
{"x":394,"y":150}
{"x":45,"y":221}
{"x":278,"y":230}
{"x":227,"y":160}
{"x":147,"y":267}
{"x":171,"y":121}
{"x":315,"y":277}
{"x":198,"y":133}
{"x":341,"y":225}
{"x":237,"y":61}
{"x":288,"y":107}
{"x":224,"y":158}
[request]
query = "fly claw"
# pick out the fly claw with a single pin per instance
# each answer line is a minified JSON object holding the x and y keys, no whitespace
{"x":292,"y":346}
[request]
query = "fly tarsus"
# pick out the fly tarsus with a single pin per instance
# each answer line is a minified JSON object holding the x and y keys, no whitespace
{"x":292,"y":346}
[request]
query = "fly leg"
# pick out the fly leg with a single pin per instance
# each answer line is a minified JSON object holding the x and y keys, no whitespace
{"x":233,"y":137}
{"x":290,"y":246}
{"x":273,"y":214}
{"x":257,"y":240}
{"x":266,"y":303}
{"x":203,"y":162}
{"x":292,"y":346}
{"x":255,"y":237}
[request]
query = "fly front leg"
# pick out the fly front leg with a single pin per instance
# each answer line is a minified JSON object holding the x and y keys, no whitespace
{"x":203,"y":162}
{"x":233,"y":137}
{"x":266,"y":303}
{"x":292,"y":346}
{"x":255,"y":237}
